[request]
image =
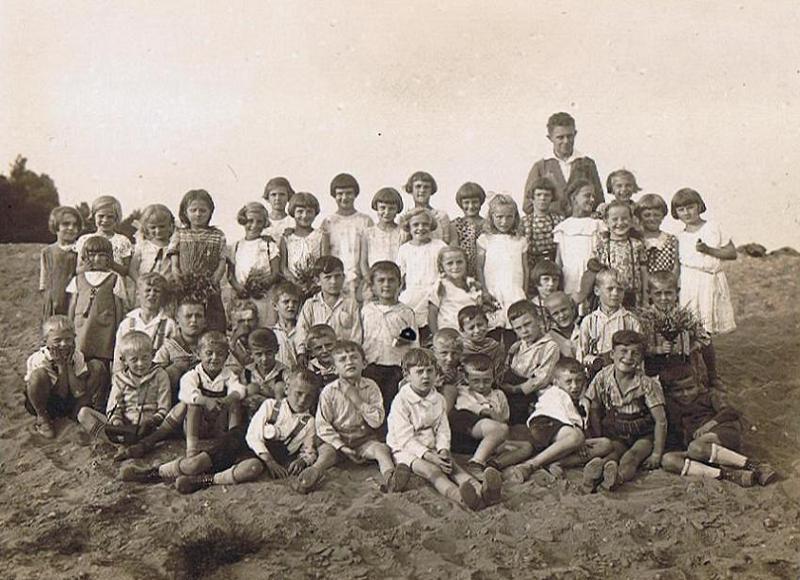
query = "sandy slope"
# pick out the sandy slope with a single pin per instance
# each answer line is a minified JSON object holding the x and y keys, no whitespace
{"x":63,"y":514}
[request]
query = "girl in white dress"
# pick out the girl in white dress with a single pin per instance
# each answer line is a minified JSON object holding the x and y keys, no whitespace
{"x":573,"y":236}
{"x":418,"y":261}
{"x":277,"y":194}
{"x":301,"y":246}
{"x":702,"y":247}
{"x":502,"y":257}
{"x":454,"y":290}
{"x":704,"y":288}
{"x":256,"y":253}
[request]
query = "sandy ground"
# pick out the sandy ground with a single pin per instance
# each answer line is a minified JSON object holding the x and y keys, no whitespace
{"x":63,"y":514}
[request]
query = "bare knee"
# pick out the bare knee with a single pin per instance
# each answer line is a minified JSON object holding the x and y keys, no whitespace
{"x":572,"y":436}
{"x":673,"y":462}
{"x":494,"y":429}
{"x":248,"y":470}
{"x":699,"y":450}
{"x":39,"y":383}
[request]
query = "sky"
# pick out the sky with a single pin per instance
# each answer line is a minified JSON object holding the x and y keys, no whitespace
{"x":146,"y":100}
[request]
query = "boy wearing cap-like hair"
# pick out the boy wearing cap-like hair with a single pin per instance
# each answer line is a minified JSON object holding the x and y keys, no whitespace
{"x":264,"y":376}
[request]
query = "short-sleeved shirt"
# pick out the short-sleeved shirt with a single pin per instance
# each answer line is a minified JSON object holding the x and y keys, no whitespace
{"x":42,"y":359}
{"x":538,"y":231}
{"x":495,"y":403}
{"x":382,"y":324}
{"x":557,"y":404}
{"x":197,"y":388}
{"x":642,"y":394}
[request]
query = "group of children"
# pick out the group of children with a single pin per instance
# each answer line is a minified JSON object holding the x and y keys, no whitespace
{"x":527,"y":343}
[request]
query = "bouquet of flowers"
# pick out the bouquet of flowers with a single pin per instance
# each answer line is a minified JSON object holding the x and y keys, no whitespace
{"x":197,"y":287}
{"x":258,"y":283}
{"x":671,"y":324}
{"x":306,"y":277}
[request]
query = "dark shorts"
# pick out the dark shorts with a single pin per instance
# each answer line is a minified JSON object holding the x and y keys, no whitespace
{"x":461,"y":424}
{"x":226,"y":450}
{"x":543,"y":431}
{"x":520,"y":407}
{"x":56,"y":406}
{"x":627,"y":429}
{"x":277,"y":449}
{"x":730,"y":434}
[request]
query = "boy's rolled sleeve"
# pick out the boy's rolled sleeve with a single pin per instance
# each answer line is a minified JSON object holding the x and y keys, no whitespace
{"x":653,"y":393}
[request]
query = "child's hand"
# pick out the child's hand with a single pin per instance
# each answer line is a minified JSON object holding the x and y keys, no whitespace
{"x":701,"y":247}
{"x":116,"y":422}
{"x":147,"y":426}
{"x":351,"y":454}
{"x":653,"y":462}
{"x":485,"y":413}
{"x":296,"y":466}
{"x":275,"y":469}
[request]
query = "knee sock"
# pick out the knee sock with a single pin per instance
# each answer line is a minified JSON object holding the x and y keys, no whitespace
{"x":723,"y":456}
{"x":91,"y":422}
{"x":226,"y":477}
{"x":691,"y":467}
{"x":171,"y":470}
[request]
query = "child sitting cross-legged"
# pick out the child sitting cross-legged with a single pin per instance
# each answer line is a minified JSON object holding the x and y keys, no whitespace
{"x":419,"y":435}
{"x":140,"y":398}
{"x":530,"y":361}
{"x":280,"y":438}
{"x":56,"y":377}
{"x":627,"y":407}
{"x":264,"y":377}
{"x":556,"y":427}
{"x":349,"y":414}
{"x":214,"y":424}
{"x":479,"y":420}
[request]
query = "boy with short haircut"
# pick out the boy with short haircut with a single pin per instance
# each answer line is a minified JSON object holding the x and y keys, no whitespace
{"x":349,"y":414}
{"x":345,"y":228}
{"x":531,"y":361}
{"x":627,"y":407}
{"x":178,"y":353}
{"x":286,"y":297}
{"x":474,"y":326}
{"x":319,"y":348}
{"x":150,"y":317}
{"x":280,"y":437}
{"x":599,"y":326}
{"x":419,"y":435}
{"x":330,"y":305}
{"x":545,"y":279}
{"x":141,"y":394}
{"x":390,"y":329}
{"x":264,"y":377}
{"x":212,"y":394}
{"x":448,"y":350}
{"x":563,"y":330}
{"x":557,"y":424}
{"x":56,"y":377}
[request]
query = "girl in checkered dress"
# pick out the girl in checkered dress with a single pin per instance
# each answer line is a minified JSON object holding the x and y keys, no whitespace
{"x":661,"y":247}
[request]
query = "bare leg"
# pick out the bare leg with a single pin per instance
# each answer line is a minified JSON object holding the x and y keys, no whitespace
{"x":38,"y":389}
{"x":381,"y":453}
{"x":511,"y":453}
{"x":633,"y":458}
{"x":244,"y":471}
{"x":437,"y":478}
{"x":98,"y":383}
{"x":492,"y":434}
{"x":592,"y":448}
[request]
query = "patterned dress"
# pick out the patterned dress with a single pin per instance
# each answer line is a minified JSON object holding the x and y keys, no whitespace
{"x":662,"y":253}
{"x":468,"y":232}
{"x":626,"y":257}
{"x":199,"y":251}
{"x":538,"y":230}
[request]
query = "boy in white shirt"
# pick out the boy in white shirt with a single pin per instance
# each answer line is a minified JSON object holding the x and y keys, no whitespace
{"x":388,"y":326}
{"x":419,"y":435}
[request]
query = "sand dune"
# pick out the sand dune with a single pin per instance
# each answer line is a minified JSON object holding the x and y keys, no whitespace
{"x":63,"y":514}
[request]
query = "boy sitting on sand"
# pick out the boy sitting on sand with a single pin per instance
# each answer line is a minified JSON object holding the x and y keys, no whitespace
{"x":56,"y":377}
{"x":628,"y":407}
{"x":264,"y":376}
{"x":214,"y":426}
{"x":419,"y":435}
{"x":349,"y":414}
{"x":319,"y":345}
{"x":448,"y":350}
{"x":557,"y":426}
{"x":280,"y":437}
{"x":562,"y":311}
